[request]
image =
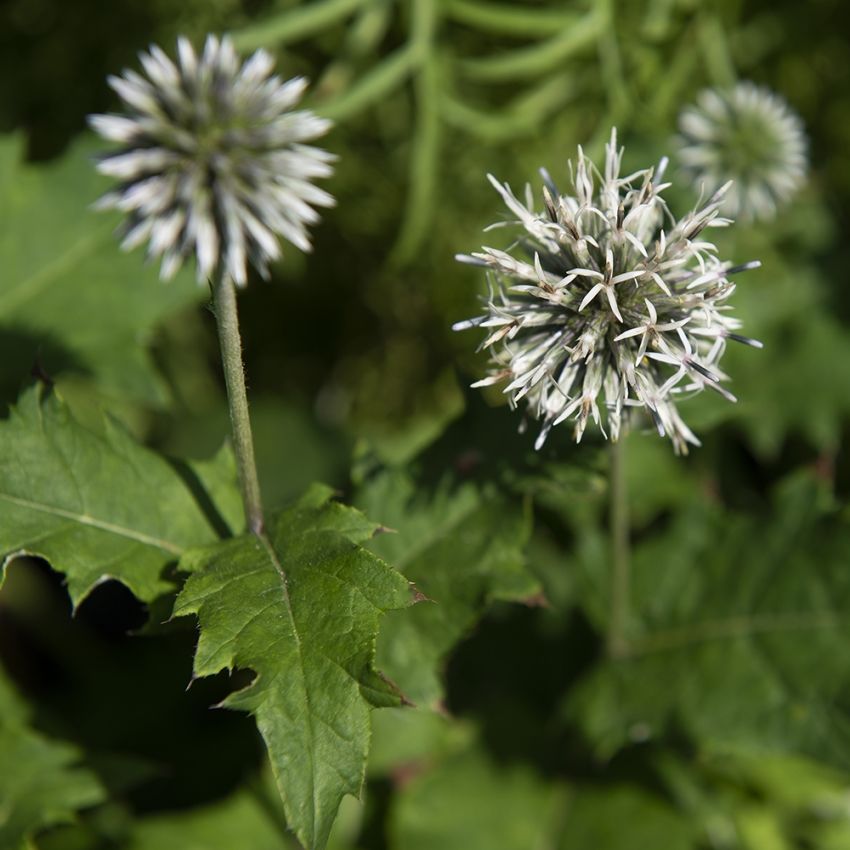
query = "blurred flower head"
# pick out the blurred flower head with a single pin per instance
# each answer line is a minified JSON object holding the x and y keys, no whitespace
{"x":212,"y":160}
{"x":604,"y":303}
{"x":749,"y":135}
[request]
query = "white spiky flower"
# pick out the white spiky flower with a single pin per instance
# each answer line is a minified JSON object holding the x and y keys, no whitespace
{"x":747,"y":134}
{"x":604,"y":303}
{"x":212,"y":160}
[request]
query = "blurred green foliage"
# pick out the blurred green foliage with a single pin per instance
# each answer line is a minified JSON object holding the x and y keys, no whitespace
{"x":725,"y":726}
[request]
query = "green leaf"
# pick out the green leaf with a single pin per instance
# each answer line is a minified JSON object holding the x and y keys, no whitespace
{"x":407,"y":736}
{"x":41,"y":782}
{"x":300,"y":609}
{"x":735,"y":632}
{"x":623,"y":817}
{"x":95,"y":505}
{"x":469,"y":803}
{"x":240,"y":821}
{"x":463,"y":548}
{"x":68,"y":295}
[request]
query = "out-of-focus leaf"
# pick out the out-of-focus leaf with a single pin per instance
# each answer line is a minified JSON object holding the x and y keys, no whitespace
{"x":240,"y":822}
{"x":404,"y":738}
{"x":41,"y":780}
{"x":300,"y":609}
{"x":69,"y":296}
{"x":733,"y":630}
{"x":623,"y":817}
{"x":463,"y":548}
{"x":469,"y":803}
{"x":96,"y":506}
{"x":291,"y":449}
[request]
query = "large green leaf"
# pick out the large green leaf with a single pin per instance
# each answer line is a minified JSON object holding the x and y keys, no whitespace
{"x":99,"y":505}
{"x":41,"y":781}
{"x":68,"y":294}
{"x":736,"y":633}
{"x":300,"y":609}
{"x":463,"y":548}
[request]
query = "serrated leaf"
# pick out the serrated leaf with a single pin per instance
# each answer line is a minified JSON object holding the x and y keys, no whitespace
{"x":41,"y":782}
{"x":735,"y":631}
{"x":94,"y":505}
{"x":68,"y":294}
{"x":463,"y":548}
{"x":300,"y":609}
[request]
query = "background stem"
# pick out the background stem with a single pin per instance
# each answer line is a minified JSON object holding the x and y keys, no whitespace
{"x":620,"y":552}
{"x":224,"y":302}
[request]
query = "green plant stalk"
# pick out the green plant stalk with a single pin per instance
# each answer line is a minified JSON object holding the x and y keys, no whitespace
{"x":227,"y":319}
{"x":620,"y":552}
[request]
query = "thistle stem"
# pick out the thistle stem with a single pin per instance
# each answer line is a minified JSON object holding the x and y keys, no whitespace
{"x":227,"y":319}
{"x":620,"y":552}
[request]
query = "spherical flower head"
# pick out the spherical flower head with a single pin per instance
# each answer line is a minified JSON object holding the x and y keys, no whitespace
{"x":749,"y":135}
{"x":212,"y":160}
{"x":605,"y":304}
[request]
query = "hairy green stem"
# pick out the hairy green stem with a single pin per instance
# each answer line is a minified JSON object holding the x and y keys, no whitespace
{"x":620,"y":552}
{"x":224,"y":304}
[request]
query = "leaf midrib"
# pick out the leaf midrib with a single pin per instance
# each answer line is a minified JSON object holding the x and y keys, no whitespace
{"x":94,"y":522}
{"x":32,"y":285}
{"x":311,"y":732}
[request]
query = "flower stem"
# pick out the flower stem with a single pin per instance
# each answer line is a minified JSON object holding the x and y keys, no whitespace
{"x":224,"y":305}
{"x":620,"y":552}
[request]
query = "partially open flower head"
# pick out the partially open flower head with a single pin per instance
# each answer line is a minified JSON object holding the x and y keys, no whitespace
{"x":212,"y":160}
{"x":604,"y":303}
{"x":749,"y":135}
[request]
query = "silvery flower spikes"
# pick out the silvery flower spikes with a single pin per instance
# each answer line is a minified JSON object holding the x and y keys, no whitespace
{"x":212,"y":160}
{"x":605,"y":303}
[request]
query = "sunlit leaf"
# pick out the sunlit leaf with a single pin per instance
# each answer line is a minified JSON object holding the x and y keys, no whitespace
{"x":97,"y":505}
{"x":301,"y":609}
{"x":69,"y":297}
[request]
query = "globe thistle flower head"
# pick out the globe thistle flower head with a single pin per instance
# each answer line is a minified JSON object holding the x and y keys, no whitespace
{"x":212,"y":160}
{"x":605,"y":304}
{"x":749,"y":135}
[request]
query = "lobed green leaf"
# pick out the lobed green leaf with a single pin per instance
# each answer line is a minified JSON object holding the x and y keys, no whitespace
{"x":732,"y":634}
{"x":301,"y":609}
{"x":464,"y":549}
{"x":99,"y":505}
